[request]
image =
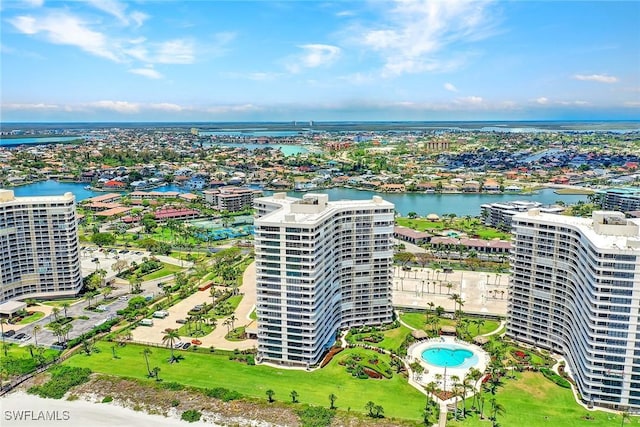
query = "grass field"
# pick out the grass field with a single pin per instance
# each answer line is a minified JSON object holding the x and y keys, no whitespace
{"x":392,"y":338}
{"x":469,"y":226}
{"x":417,"y":320}
{"x":167,"y":270}
{"x":37,"y":315}
{"x":533,"y":401}
{"x":19,"y":360}
{"x":395,"y":395}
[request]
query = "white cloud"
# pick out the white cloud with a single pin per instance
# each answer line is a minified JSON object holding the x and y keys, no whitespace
{"x":177,"y":51}
{"x":30,"y":107}
{"x":542,"y":100}
{"x":147,"y":72}
{"x":420,"y":35}
{"x":450,"y":87}
{"x":632,"y":104}
{"x":165,"y":106}
{"x":62,"y":28}
{"x":313,"y":56}
{"x":117,"y":106}
{"x":470,"y":100}
{"x":119,"y":11}
{"x":33,"y":3}
{"x":600,"y":78}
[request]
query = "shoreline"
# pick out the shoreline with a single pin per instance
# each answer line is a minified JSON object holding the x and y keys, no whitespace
{"x":20,"y":409}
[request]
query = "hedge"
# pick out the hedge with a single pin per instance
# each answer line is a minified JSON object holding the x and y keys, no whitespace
{"x":555,"y":378}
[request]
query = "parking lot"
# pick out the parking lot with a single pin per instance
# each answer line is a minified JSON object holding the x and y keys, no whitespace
{"x":93,"y":258}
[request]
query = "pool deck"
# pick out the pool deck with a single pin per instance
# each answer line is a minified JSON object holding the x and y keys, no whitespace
{"x":414,"y":353}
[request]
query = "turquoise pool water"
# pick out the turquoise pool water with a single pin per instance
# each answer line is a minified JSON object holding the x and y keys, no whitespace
{"x":450,"y":356}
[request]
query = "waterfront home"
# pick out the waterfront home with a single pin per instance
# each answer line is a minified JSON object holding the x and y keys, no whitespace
{"x":491,"y":185}
{"x":197,"y":182}
{"x":104,"y":198}
{"x":471,"y":186}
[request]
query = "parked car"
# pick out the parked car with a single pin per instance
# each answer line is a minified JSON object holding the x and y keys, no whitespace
{"x":20,"y":336}
{"x":9,"y":334}
{"x":186,"y":345}
{"x":181,"y":321}
{"x":196,"y":342}
{"x":177,"y":345}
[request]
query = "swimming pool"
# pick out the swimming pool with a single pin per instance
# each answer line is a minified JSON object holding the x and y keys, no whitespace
{"x":450,"y":356}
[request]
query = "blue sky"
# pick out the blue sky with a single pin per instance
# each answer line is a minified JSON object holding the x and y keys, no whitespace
{"x":111,"y":60}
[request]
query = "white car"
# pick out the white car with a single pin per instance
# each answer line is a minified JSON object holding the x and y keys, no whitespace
{"x":179,"y":344}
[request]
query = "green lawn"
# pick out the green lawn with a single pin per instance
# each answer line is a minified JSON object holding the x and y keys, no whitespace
{"x":167,"y":270}
{"x":392,"y":338}
{"x":532,"y":401}
{"x":417,"y":320}
{"x":36,"y":315}
{"x":19,"y":360}
{"x":204,"y":329}
{"x":59,"y":302}
{"x":470,"y":226}
{"x":208,"y":370}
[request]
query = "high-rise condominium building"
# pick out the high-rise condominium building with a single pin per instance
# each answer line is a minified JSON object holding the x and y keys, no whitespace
{"x":622,"y":199}
{"x":320,"y":266}
{"x":575,"y":290}
{"x":39,"y":254}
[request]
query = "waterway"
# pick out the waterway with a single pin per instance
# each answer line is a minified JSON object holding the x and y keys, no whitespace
{"x":12,"y":142}
{"x":421,"y":203}
{"x":287,"y":150}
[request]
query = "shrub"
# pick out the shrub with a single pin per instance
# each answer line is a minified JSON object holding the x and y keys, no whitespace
{"x":315,"y":416}
{"x":191,"y":415}
{"x":222,"y":394}
{"x":62,"y":379}
{"x":555,"y":378}
{"x":107,"y":399}
{"x":175,"y":402}
{"x":172,"y":385}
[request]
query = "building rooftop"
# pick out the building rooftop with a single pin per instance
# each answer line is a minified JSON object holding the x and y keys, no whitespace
{"x":606,"y":229}
{"x":313,"y":207}
{"x":7,"y":196}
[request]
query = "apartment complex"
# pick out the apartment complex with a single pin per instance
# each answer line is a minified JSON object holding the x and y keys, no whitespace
{"x":575,"y":290}
{"x":320,"y":266}
{"x":231,"y":199}
{"x":622,"y":199}
{"x":498,"y":215}
{"x":39,"y":255}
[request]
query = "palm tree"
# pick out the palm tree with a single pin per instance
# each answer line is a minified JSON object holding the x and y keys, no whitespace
{"x":480,"y":324}
{"x":65,"y":306}
{"x":379,"y":411}
{"x":294,"y":396}
{"x":36,"y":330}
{"x":233,"y":319}
{"x":171,"y":335}
{"x":270,"y":394}
{"x":4,"y":347}
{"x":106,"y":291}
{"x":332,"y":399}
{"x":146,"y":352}
{"x":56,"y":312}
{"x":625,"y":417}
{"x":496,"y":409}
{"x":156,"y":371}
{"x":369,"y":406}
{"x":227,"y":323}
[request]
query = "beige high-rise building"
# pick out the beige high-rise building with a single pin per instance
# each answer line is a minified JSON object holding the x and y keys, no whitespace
{"x":320,"y":266}
{"x":39,"y":254}
{"x":575,"y":290}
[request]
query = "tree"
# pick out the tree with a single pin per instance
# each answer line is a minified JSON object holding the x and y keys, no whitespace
{"x":106,"y":291}
{"x":294,"y":396}
{"x":624,"y":417}
{"x":412,"y":215}
{"x":36,"y":330}
{"x":270,"y":394}
{"x":120,"y":265}
{"x":369,"y":406}
{"x":156,"y":372}
{"x":103,"y":239}
{"x":332,"y":399}
{"x":4,"y":347}
{"x":170,"y":337}
{"x":56,"y":313}
{"x":233,"y":319}
{"x":65,"y":305}
{"x":379,"y":411}
{"x":146,"y":352}
{"x":227,"y":323}
{"x":496,"y":409}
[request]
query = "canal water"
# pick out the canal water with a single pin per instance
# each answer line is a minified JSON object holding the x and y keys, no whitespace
{"x":421,"y":203}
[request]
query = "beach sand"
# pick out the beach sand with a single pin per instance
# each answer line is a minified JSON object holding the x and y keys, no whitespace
{"x":24,"y":410}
